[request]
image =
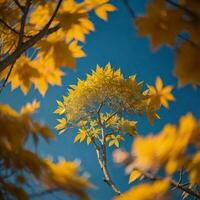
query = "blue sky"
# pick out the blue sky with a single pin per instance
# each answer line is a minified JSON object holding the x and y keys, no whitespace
{"x":116,"y":42}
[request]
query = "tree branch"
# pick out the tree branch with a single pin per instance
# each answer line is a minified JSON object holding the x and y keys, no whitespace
{"x":23,"y":22}
{"x":107,"y":177}
{"x":19,"y":5}
{"x":29,"y":43}
{"x":134,"y":16}
{"x":20,"y":40}
{"x":8,"y":26}
{"x":7,"y":77}
{"x":44,"y":192}
{"x":129,"y":9}
{"x":172,"y":182}
{"x":102,"y":158}
{"x":186,"y":10}
{"x":112,"y":115}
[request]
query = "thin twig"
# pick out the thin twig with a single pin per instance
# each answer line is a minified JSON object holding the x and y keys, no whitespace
{"x":112,"y":115}
{"x":172,"y":182}
{"x":23,"y":22}
{"x":186,"y":10}
{"x":101,"y":156}
{"x":20,"y":41}
{"x":7,"y":77}
{"x":188,"y":40}
{"x":180,"y":178}
{"x":131,"y":12}
{"x":8,"y":26}
{"x":129,"y":9}
{"x":19,"y":5}
{"x":44,"y":192}
{"x":12,"y":29}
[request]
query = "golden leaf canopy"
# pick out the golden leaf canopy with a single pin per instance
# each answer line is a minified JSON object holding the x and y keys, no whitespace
{"x":102,"y":98}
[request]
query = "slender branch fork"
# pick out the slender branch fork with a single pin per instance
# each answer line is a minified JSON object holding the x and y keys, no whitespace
{"x":102,"y":154}
{"x":175,"y":184}
{"x":102,"y":159}
{"x":29,"y":43}
{"x":23,"y":46}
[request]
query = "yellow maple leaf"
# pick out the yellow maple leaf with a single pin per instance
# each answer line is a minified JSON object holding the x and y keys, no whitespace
{"x":22,"y":74}
{"x":40,"y":16}
{"x":194,"y":167}
{"x":162,"y":24}
{"x":74,"y":20}
{"x":62,"y":125}
{"x":39,"y":72}
{"x":48,"y":74}
{"x":150,"y":191}
{"x":61,"y":52}
{"x":135,"y":174}
{"x":188,"y":64}
{"x":30,"y":108}
{"x":65,"y":175}
{"x":101,"y":7}
{"x":160,"y":95}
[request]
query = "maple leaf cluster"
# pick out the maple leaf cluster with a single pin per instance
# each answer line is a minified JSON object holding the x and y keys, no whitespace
{"x":41,"y":64}
{"x":167,"y":22}
{"x":19,"y":165}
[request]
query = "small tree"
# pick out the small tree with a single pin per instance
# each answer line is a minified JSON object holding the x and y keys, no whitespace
{"x":96,"y":107}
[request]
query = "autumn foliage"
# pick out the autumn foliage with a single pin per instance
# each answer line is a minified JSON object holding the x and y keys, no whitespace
{"x":167,"y":21}
{"x":38,"y":39}
{"x":19,"y":164}
{"x":173,"y":157}
{"x":43,"y":62}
